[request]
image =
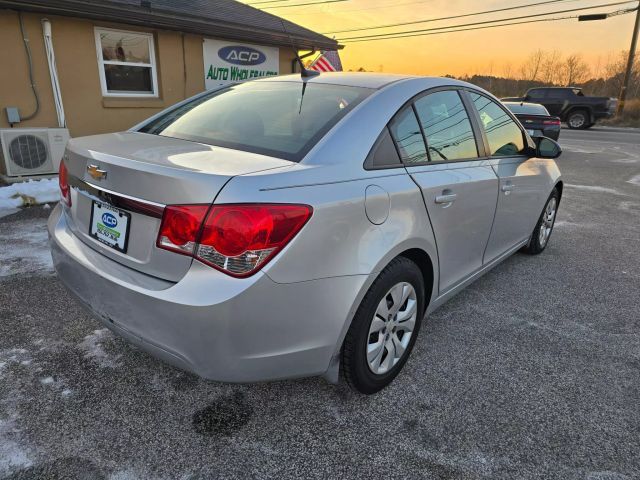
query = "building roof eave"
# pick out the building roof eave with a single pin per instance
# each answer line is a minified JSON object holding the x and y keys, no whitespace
{"x":165,"y":20}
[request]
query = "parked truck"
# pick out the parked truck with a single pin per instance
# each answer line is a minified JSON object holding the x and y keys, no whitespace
{"x":575,"y":108}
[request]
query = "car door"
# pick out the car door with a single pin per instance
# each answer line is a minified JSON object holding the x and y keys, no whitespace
{"x":520,"y":177}
{"x":535,"y":95}
{"x":556,"y":100}
{"x":437,"y":143}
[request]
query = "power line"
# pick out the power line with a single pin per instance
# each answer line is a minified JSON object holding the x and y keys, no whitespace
{"x":448,"y":18}
{"x":303,"y":4}
{"x":484,"y":22}
{"x":619,"y":12}
{"x":377,"y":7}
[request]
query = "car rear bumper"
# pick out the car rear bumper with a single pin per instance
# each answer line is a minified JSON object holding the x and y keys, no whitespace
{"x":218,"y":327}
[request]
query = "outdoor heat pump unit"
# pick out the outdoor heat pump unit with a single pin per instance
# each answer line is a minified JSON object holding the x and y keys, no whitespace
{"x":32,"y":151}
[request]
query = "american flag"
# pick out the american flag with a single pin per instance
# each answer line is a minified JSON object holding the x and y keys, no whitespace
{"x":327,"y":62}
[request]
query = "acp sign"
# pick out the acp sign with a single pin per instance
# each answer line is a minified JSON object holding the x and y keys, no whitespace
{"x":229,"y":62}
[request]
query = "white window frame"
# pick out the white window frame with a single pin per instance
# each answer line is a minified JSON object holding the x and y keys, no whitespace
{"x":102,"y":62}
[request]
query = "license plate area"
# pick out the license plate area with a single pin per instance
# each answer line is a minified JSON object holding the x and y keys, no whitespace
{"x":110,"y":225}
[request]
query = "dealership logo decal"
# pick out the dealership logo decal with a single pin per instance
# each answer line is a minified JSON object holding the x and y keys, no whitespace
{"x":109,"y":220}
{"x":239,"y":55}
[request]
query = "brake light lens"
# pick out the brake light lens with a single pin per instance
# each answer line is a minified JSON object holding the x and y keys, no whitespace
{"x":236,"y":239}
{"x":180,"y":227}
{"x":551,"y":122}
{"x":63,"y":181}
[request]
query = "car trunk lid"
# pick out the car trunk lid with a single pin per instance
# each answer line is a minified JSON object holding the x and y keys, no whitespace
{"x":139,"y":174}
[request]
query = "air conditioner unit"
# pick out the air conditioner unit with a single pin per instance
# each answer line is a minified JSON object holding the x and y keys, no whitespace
{"x":32,"y":151}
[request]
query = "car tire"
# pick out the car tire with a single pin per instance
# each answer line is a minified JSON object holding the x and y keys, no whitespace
{"x":542,"y":232}
{"x":375,"y":348}
{"x":578,"y":120}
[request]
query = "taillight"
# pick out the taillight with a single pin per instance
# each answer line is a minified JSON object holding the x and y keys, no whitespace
{"x":551,"y":122}
{"x":180,"y":227}
{"x":63,"y":181}
{"x":236,"y":239}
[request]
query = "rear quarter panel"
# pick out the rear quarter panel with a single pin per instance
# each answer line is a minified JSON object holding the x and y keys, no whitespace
{"x":339,"y":239}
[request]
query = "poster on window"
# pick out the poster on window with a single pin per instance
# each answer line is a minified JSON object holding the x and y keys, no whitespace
{"x":228,"y":62}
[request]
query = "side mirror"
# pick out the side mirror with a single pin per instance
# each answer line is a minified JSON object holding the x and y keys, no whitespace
{"x":547,"y":148}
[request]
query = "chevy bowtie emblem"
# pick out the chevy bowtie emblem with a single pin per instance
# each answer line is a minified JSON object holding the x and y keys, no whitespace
{"x":95,"y":172}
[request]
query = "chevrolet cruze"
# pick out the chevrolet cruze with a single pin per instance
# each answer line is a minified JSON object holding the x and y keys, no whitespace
{"x":294,"y":226}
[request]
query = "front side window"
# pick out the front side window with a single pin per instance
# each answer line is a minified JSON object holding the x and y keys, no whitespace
{"x":127,"y":63}
{"x":503,"y":134}
{"x":446,"y":126}
{"x":280,"y":119}
{"x":536,"y":94}
{"x":408,"y":137}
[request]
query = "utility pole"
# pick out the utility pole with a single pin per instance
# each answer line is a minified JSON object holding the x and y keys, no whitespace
{"x":632,"y":57}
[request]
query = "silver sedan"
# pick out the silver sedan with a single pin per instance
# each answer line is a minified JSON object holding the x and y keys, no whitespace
{"x":291,"y":226}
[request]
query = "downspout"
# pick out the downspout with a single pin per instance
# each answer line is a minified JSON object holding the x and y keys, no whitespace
{"x":27,"y":49}
{"x":53,"y":72}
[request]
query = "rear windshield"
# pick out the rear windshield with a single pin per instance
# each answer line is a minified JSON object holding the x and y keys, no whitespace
{"x":527,"y":109}
{"x":280,"y":119}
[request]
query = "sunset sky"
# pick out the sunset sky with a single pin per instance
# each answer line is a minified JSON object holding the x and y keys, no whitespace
{"x":481,"y":51}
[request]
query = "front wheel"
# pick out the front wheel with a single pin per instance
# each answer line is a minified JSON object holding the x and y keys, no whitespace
{"x":544,"y":227}
{"x":384,"y":328}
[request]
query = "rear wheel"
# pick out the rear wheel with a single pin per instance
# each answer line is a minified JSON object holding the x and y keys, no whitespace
{"x":544,"y":227}
{"x":384,"y":328}
{"x":578,"y":120}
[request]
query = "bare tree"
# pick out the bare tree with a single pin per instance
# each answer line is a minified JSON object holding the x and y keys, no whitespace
{"x":530,"y":69}
{"x":550,"y":70}
{"x":575,"y":70}
{"x":507,"y":70}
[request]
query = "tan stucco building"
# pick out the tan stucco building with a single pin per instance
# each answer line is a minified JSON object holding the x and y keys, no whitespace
{"x":120,"y":61}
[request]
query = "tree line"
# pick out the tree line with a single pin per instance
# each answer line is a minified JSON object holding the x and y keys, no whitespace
{"x":551,"y":68}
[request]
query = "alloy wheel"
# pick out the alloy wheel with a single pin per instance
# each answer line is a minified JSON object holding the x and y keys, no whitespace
{"x":548,"y":217}
{"x":391,"y":328}
{"x":577,"y":120}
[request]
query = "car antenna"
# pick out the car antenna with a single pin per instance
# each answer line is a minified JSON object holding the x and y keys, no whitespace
{"x":304,"y":73}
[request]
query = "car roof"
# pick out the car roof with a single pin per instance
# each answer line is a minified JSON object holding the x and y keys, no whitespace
{"x":350,"y":79}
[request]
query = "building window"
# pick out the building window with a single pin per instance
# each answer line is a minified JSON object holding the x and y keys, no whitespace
{"x":127,"y":63}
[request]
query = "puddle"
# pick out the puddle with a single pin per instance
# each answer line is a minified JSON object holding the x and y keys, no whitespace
{"x":223,"y":417}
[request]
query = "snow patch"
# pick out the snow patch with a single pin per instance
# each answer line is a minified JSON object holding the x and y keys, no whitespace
{"x":634,"y":180}
{"x":25,"y":248}
{"x":124,"y":475}
{"x":12,"y":455}
{"x":5,"y":212}
{"x":595,"y":188}
{"x":93,"y":346}
{"x":31,"y":192}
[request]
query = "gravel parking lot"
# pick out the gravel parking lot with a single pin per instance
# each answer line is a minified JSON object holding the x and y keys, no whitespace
{"x":532,"y":372}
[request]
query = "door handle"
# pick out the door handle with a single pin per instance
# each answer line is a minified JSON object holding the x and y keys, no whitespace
{"x":447,"y":198}
{"x":507,"y":188}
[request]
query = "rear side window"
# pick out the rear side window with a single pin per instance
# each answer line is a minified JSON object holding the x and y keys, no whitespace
{"x":503,"y":134}
{"x":527,"y":109}
{"x":408,"y":137}
{"x":446,"y":126}
{"x":558,"y":93}
{"x":384,"y":153}
{"x":281,"y":119}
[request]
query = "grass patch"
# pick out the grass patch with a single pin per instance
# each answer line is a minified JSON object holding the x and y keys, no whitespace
{"x":629,"y":118}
